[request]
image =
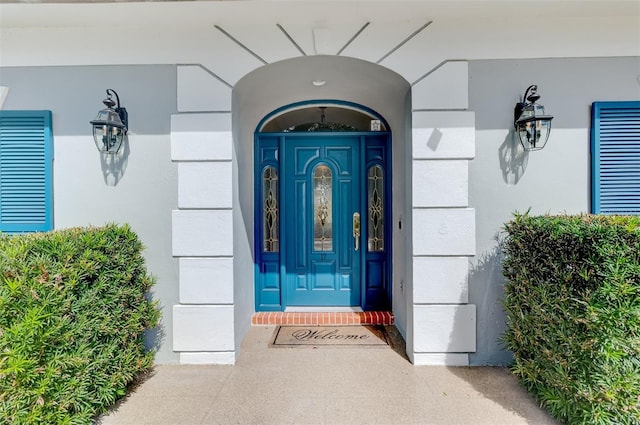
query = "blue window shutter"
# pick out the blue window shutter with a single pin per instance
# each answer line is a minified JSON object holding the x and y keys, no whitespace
{"x":615,"y":156}
{"x":26,"y":171}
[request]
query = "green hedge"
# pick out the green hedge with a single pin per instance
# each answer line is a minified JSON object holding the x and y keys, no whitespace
{"x":572,"y":299}
{"x":74,"y":307}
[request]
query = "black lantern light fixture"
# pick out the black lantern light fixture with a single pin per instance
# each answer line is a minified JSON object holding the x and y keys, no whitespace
{"x":110,"y":126}
{"x":532,"y":125}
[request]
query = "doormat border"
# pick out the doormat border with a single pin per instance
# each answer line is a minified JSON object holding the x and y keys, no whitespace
{"x":324,"y":337}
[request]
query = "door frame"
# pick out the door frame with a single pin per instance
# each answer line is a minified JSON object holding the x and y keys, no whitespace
{"x":269,"y":267}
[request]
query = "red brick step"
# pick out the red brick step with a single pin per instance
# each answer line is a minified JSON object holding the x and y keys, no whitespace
{"x":326,"y":318}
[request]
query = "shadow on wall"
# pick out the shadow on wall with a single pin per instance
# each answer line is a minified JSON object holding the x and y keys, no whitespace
{"x":486,"y":289}
{"x":155,"y":338}
{"x":114,"y":165}
{"x":434,"y":139}
{"x":513,"y":159}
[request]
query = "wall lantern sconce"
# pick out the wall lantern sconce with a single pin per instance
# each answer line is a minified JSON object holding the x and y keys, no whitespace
{"x":110,"y":126}
{"x":532,"y":125}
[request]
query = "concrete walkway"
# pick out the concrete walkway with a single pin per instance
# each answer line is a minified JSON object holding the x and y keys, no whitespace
{"x":325,"y":385}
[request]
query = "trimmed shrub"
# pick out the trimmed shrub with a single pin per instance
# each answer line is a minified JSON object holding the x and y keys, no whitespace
{"x":73,"y":312}
{"x":572,"y":299}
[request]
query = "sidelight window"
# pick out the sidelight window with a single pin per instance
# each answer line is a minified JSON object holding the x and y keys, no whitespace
{"x":270,"y":208}
{"x":375,"y":206}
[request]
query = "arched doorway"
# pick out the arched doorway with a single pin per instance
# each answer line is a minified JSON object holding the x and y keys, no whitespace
{"x":322,"y":208}
{"x":261,"y":94}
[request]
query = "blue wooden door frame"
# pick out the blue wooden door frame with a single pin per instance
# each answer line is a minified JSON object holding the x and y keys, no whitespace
{"x":270,"y":267}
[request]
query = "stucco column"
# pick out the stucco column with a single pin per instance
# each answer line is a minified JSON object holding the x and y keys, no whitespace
{"x":443,"y":226}
{"x":202,"y":228}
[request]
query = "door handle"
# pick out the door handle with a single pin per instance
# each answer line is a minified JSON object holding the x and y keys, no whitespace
{"x":356,"y":229}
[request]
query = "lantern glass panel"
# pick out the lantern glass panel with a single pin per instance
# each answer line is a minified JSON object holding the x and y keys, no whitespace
{"x":108,"y":131}
{"x":533,"y":127}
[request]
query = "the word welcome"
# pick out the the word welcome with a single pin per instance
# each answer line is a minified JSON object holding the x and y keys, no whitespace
{"x":309,"y":334}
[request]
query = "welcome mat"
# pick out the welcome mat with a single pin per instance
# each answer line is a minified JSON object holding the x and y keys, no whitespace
{"x":361,"y":336}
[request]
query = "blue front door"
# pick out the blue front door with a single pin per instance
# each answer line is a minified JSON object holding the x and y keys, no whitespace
{"x":321,"y":220}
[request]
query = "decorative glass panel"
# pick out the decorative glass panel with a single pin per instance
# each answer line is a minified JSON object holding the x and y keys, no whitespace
{"x":270,"y":208}
{"x":322,"y":209}
{"x":375,"y":204}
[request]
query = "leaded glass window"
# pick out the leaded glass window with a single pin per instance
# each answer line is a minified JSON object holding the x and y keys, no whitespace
{"x":375,"y":206}
{"x":322,"y":209}
{"x":271,"y":210}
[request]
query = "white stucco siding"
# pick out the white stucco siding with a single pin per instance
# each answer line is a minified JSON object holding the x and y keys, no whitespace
{"x":445,"y":328}
{"x":443,"y":227}
{"x":202,"y":233}
{"x":440,"y":183}
{"x":203,"y":228}
{"x":441,"y":359}
{"x":444,"y":87}
{"x":200,"y":90}
{"x":206,"y":280}
{"x":444,"y":231}
{"x":441,"y":280}
{"x":208,"y":357}
{"x":203,"y":328}
{"x":443,"y":135}
{"x":612,"y":30}
{"x":184,"y":33}
{"x":204,"y":184}
{"x":178,"y":43}
{"x":201,"y":137}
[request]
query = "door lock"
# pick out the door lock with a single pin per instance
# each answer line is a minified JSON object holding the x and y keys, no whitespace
{"x":356,"y":229}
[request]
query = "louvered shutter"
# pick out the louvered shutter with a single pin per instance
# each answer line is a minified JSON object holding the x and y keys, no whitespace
{"x":615,"y":154}
{"x":26,"y":156}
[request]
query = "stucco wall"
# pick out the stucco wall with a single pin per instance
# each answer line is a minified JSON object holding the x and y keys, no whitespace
{"x":503,"y":179}
{"x":141,"y":188}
